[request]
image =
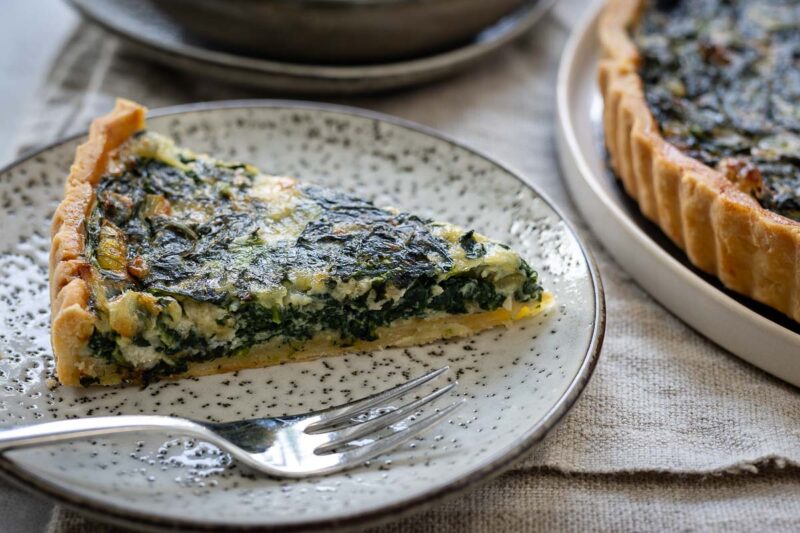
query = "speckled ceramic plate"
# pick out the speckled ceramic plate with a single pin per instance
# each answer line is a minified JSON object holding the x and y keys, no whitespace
{"x":517,"y":382}
{"x":153,"y":34}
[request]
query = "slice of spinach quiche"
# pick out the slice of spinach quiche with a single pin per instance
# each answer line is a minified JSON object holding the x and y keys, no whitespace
{"x":168,"y":263}
{"x":702,"y":125}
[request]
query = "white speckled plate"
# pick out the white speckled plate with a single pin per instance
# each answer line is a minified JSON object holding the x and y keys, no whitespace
{"x":517,"y":382}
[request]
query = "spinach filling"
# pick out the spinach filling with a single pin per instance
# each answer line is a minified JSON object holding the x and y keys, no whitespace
{"x":199,"y":231}
{"x":722,"y":78}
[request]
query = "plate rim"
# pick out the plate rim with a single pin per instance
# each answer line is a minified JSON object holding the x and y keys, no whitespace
{"x":492,"y":468}
{"x":526,"y":16}
{"x":570,"y":151}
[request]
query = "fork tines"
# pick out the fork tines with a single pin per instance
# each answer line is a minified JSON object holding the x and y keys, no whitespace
{"x":371,"y":426}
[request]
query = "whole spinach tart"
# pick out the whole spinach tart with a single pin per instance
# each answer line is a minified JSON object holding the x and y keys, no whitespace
{"x":702,"y":124}
{"x":169,"y":263}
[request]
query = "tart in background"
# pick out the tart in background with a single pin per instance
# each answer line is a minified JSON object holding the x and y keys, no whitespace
{"x":716,"y":172}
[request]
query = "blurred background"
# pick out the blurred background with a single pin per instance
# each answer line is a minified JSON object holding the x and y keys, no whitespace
{"x":25,"y":56}
{"x":80,"y":54}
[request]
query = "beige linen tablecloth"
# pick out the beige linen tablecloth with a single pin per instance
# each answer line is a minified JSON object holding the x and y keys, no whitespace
{"x":672,"y":432}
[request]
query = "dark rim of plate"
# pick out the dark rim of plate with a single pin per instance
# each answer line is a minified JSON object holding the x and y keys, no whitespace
{"x":489,"y":470}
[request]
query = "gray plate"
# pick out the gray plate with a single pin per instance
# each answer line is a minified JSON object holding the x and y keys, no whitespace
{"x":337,"y":32}
{"x":517,"y":382}
{"x":155,"y":35}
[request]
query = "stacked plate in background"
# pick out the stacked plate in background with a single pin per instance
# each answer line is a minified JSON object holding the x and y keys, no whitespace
{"x":317,"y":46}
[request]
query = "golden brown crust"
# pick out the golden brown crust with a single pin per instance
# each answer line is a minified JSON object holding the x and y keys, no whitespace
{"x":72,"y":320}
{"x":723,"y":231}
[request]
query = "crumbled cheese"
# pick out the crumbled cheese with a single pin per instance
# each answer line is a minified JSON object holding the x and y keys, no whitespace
{"x":501,"y":260}
{"x":394,"y":293}
{"x":279,"y":193}
{"x":272,"y":297}
{"x":127,"y":313}
{"x":351,"y":289}
{"x":208,"y":319}
{"x":309,"y":281}
{"x":448,"y":232}
{"x":139,"y":356}
{"x":297,"y":299}
{"x":156,"y":146}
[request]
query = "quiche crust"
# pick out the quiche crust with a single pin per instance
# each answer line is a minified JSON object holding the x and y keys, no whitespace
{"x":73,"y":319}
{"x":723,"y":230}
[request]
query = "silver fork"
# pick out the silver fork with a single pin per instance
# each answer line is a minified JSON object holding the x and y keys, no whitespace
{"x":319,"y":442}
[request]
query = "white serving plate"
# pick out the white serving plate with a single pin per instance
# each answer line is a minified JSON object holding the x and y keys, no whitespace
{"x":517,"y":382}
{"x":757,"y":334}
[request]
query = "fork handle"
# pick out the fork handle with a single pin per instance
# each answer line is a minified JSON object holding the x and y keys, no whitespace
{"x":87,"y":428}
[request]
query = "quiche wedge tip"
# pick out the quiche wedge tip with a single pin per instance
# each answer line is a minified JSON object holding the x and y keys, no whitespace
{"x":166,"y":263}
